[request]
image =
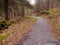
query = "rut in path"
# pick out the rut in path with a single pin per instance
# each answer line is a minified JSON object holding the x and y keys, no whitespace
{"x":40,"y":35}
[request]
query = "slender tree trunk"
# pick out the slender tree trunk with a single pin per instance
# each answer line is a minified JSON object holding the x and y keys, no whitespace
{"x":22,"y":10}
{"x":52,"y":5}
{"x":48,"y":4}
{"x":6,"y":9}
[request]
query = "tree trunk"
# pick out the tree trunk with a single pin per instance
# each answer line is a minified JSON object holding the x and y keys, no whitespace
{"x":48,"y":4}
{"x":52,"y":5}
{"x":22,"y":10}
{"x":6,"y":9}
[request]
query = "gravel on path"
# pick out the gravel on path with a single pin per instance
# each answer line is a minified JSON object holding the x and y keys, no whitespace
{"x":40,"y":35}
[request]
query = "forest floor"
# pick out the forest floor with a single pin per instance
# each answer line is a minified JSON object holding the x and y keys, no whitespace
{"x":54,"y":21}
{"x":17,"y":31}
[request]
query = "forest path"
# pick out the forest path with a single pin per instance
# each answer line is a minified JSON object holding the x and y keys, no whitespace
{"x":39,"y":34}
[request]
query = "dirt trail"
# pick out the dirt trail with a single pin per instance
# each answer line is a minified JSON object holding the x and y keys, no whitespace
{"x":39,"y":34}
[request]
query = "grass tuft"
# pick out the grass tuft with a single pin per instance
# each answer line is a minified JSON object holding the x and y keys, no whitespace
{"x":29,"y":18}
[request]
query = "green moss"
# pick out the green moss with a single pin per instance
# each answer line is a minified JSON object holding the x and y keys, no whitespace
{"x":8,"y":22}
{"x":4,"y":36}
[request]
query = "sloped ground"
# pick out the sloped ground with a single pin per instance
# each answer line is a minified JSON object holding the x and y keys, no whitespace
{"x":17,"y":30}
{"x":54,"y":21}
{"x":55,"y":24}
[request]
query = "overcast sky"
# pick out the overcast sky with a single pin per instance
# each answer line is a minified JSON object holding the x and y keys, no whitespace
{"x":32,"y":2}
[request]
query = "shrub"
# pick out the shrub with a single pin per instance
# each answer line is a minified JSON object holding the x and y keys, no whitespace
{"x":4,"y":24}
{"x":45,"y":12}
